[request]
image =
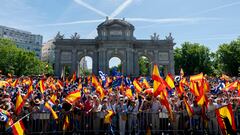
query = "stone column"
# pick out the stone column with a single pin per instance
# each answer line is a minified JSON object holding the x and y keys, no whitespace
{"x":95,"y":62}
{"x":171,"y":62}
{"x":100,"y":60}
{"x":74,"y":61}
{"x":136,"y":65}
{"x":129,"y":61}
{"x":57,"y":62}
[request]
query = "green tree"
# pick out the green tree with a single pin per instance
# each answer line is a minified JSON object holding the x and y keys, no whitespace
{"x":20,"y":62}
{"x":144,"y":66}
{"x":193,"y":58}
{"x":228,"y":58}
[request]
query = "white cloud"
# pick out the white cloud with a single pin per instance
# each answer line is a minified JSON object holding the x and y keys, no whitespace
{"x":70,"y":23}
{"x":217,"y":8}
{"x":84,"y":4}
{"x":120,"y":8}
{"x":172,"y":20}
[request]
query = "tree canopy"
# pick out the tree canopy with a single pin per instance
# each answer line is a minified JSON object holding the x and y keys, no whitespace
{"x":193,"y":58}
{"x":228,"y":58}
{"x":19,"y":62}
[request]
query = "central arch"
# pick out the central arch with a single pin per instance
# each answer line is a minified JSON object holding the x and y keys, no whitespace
{"x":85,"y":66}
{"x":114,"y":63}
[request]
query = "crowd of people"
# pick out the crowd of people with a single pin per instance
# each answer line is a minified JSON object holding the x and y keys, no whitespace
{"x":141,"y":111}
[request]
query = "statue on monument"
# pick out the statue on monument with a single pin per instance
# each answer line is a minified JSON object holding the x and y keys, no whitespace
{"x":59,"y":36}
{"x":169,"y":37}
{"x":75,"y":36}
{"x":155,"y":36}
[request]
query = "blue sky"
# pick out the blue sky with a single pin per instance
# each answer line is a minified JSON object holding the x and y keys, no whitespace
{"x":209,"y":22}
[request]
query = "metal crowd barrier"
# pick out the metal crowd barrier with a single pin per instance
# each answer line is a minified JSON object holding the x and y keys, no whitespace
{"x":135,"y":123}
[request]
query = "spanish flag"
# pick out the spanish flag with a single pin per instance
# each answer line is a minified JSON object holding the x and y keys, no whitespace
{"x":128,"y":93}
{"x":145,"y":83}
{"x":107,"y":118}
{"x":41,"y":86}
{"x":232,"y":86}
{"x":18,"y":128}
{"x":98,"y":87}
{"x":188,"y":108}
{"x":74,"y":77}
{"x":72,"y":97}
{"x":165,"y":102}
{"x":53,"y":98}
{"x":60,"y":84}
{"x":137,"y":87}
{"x":19,"y":103}
{"x":14,"y":84}
{"x":157,"y":81}
{"x":225,"y":120}
{"x":194,"y":88}
{"x":30,"y":91}
{"x":170,"y":82}
{"x":66,"y":123}
{"x":54,"y":114}
{"x":197,"y":77}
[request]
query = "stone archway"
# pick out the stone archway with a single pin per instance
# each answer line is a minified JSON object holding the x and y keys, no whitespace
{"x":85,"y":66}
{"x":144,"y":64}
{"x":114,"y":62}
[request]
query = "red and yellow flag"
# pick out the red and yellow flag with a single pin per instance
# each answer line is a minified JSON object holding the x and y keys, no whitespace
{"x":18,"y":128}
{"x":145,"y":83}
{"x":107,"y":118}
{"x":170,"y":82}
{"x":74,"y":77}
{"x":98,"y":87}
{"x":232,"y":86}
{"x":72,"y":97}
{"x":66,"y":123}
{"x":41,"y":86}
{"x":197,"y":77}
{"x":225,"y":120}
{"x":188,"y":108}
{"x":54,"y":114}
{"x":30,"y":91}
{"x":128,"y":93}
{"x":19,"y":103}
{"x":137,"y":86}
{"x":53,"y":98}
{"x":60,"y":84}
{"x":14,"y":84}
{"x":165,"y":102}
{"x":158,"y":85}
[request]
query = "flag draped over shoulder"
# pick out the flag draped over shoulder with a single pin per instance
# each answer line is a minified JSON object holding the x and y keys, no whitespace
{"x":188,"y":108}
{"x":72,"y":97}
{"x":19,"y":103}
{"x":18,"y":128}
{"x":54,"y":114}
{"x":225,"y":120}
{"x":107,"y":118}
{"x":66,"y":123}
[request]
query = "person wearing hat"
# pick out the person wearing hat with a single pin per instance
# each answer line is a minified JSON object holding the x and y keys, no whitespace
{"x":132,"y":115}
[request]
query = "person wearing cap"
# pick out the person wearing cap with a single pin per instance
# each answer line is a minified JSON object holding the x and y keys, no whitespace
{"x":121,"y":109}
{"x":97,"y":107}
{"x":197,"y":111}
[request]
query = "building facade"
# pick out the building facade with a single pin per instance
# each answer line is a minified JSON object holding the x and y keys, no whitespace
{"x":115,"y":39}
{"x":23,"y":39}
